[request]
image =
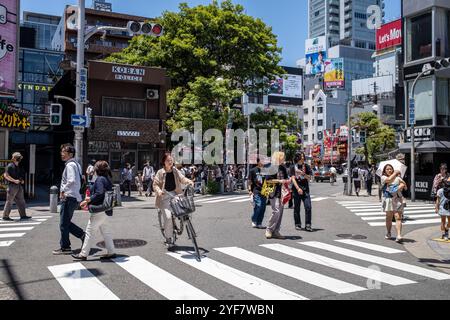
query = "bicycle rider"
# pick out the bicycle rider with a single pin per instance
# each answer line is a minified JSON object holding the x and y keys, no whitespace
{"x":167,"y":184}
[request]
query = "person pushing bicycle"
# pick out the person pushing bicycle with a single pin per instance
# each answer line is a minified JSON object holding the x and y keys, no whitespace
{"x":167,"y":184}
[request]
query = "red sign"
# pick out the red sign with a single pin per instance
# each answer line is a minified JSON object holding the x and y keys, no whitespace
{"x":389,"y":35}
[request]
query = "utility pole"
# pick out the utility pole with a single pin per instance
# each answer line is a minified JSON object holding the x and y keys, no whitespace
{"x":349,"y":148}
{"x":78,"y":141}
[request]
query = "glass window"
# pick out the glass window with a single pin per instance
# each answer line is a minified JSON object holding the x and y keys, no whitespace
{"x":305,"y":111}
{"x":388,"y":110}
{"x":443,"y":102}
{"x":423,"y":95}
{"x":305,"y":137}
{"x":34,"y":62}
{"x":320,"y":110}
{"x":419,"y":37}
{"x":123,"y":108}
{"x":320,"y":123}
{"x":306,"y":124}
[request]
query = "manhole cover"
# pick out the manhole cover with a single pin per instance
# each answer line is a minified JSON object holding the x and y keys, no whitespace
{"x":351,"y":236}
{"x":124,"y":243}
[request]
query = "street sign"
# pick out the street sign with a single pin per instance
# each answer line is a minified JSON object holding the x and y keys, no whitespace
{"x":80,"y":129}
{"x":79,"y":120}
{"x":412,"y":112}
{"x":83,"y":85}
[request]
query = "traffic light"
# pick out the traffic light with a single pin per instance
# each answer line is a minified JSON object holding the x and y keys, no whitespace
{"x":146,"y":28}
{"x":443,"y":63}
{"x":55,"y":114}
{"x":362,"y":137}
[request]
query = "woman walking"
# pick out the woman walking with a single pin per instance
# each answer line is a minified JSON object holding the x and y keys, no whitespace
{"x":443,"y":208}
{"x":439,"y":180}
{"x":167,"y":184}
{"x":392,"y":186}
{"x":98,"y":221}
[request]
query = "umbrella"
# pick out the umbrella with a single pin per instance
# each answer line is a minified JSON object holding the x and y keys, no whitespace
{"x":397,"y":165}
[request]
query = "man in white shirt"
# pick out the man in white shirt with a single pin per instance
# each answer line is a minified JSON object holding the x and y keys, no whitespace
{"x":148,"y":174}
{"x":70,"y":198}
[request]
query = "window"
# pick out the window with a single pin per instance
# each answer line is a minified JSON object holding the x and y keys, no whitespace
{"x":443,"y":102}
{"x":388,"y":110}
{"x":306,"y":124}
{"x":123,"y":108}
{"x":306,"y":111}
{"x":313,"y":122}
{"x":319,"y":110}
{"x":319,"y":123}
{"x":313,"y":136}
{"x":419,"y":37}
{"x":316,"y":13}
{"x":362,"y":16}
{"x":423,"y":95}
{"x":305,"y":137}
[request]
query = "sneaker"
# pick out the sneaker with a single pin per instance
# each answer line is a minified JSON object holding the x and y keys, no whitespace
{"x":62,"y":251}
{"x":25,"y":218}
{"x":7,"y":219}
{"x":309,"y":229}
{"x":254,"y":225}
{"x":260,"y":226}
{"x":298,"y":227}
{"x":79,"y":257}
{"x":277,"y":235}
{"x":399,"y":239}
{"x":269,"y":234}
{"x":388,"y":236}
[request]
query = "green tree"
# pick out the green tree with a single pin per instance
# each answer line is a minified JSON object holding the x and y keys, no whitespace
{"x":199,"y":45}
{"x":379,"y":137}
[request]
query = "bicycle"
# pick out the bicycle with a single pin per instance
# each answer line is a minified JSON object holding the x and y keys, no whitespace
{"x":180,"y":222}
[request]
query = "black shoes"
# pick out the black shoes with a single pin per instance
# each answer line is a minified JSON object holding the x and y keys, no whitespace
{"x":62,"y":251}
{"x":309,"y":229}
{"x":79,"y":257}
{"x":25,"y":218}
{"x":7,"y":219}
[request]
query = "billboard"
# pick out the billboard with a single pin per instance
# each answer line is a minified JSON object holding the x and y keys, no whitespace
{"x":389,"y":35}
{"x":316,"y":53}
{"x":289,"y":85}
{"x":334,"y":74}
{"x":8,"y":47}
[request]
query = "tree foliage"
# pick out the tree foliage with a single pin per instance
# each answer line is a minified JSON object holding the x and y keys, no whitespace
{"x":379,"y":137}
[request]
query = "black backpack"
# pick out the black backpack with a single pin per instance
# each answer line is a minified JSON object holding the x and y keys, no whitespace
{"x":447,"y":197}
{"x":355,"y":173}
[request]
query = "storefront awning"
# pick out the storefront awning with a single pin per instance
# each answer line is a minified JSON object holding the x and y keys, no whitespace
{"x":426,"y":146}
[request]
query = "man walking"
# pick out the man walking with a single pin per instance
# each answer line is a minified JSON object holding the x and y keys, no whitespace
{"x":356,"y":175}
{"x":70,"y":198}
{"x":256,"y":180}
{"x":15,"y":177}
{"x":127,"y":177}
{"x":300,"y":174}
{"x":149,"y":174}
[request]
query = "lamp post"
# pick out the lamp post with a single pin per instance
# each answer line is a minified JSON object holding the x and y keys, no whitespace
{"x":349,"y":149}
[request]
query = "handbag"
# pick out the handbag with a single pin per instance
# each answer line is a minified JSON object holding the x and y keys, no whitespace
{"x":108,"y":204}
{"x":183,"y":205}
{"x":286,"y":193}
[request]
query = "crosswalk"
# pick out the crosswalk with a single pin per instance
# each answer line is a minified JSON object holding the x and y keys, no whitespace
{"x":345,"y":266}
{"x":371,"y":212}
{"x":11,"y":230}
{"x":238,"y":199}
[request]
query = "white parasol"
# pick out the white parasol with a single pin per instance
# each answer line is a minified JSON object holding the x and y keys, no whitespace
{"x":397,"y":165}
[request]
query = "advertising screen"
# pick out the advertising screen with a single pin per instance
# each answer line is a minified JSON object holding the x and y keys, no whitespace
{"x":8,"y":47}
{"x":315,"y":51}
{"x":289,"y":85}
{"x":334,"y":74}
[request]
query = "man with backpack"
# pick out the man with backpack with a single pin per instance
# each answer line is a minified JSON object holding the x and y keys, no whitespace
{"x":443,"y":208}
{"x":70,"y":198}
{"x":369,"y":179}
{"x":356,"y":175}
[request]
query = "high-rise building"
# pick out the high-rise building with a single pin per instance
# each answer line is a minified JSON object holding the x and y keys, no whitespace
{"x":38,"y":29}
{"x":342,"y":21}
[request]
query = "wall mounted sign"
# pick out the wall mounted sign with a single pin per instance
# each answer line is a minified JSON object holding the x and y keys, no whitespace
{"x":14,"y":118}
{"x":128,"y":73}
{"x":8,"y":47}
{"x":128,"y":133}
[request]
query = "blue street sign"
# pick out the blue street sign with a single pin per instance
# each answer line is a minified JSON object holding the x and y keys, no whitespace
{"x":83,"y":85}
{"x":412,"y":111}
{"x":79,"y":120}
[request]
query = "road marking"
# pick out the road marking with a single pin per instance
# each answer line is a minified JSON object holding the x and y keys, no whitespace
{"x":410,"y":216}
{"x":242,"y":200}
{"x":340,"y":265}
{"x":244,"y":281}
{"x":16,"y":229}
{"x":160,"y":280}
{"x":6,"y":243}
{"x":22,"y":222}
{"x":11,"y":235}
{"x":298,"y":273}
{"x":19,"y":224}
{"x":423,"y":221}
{"x":215,"y":198}
{"x":379,"y":213}
{"x":319,"y":199}
{"x":379,"y":260}
{"x":379,"y":206}
{"x":79,"y":283}
{"x":227,"y":199}
{"x":370,"y":246}
{"x":378,"y":209}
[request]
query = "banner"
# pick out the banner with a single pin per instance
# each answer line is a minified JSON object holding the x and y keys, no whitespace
{"x":334,"y":74}
{"x":389,"y":35}
{"x":289,"y":85}
{"x":316,"y":53}
{"x":8,"y":47}
{"x":14,"y":118}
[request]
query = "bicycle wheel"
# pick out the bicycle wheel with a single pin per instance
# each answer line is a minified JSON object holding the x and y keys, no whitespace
{"x":161,"y":222}
{"x":192,"y":236}
{"x":176,"y":228}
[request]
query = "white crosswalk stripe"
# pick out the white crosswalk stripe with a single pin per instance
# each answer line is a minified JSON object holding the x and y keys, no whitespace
{"x":18,"y":225}
{"x":11,"y":235}
{"x":6,"y":243}
{"x":16,"y":229}
{"x":371,"y":213}
{"x":239,"y":199}
{"x":22,"y":222}
{"x":80,"y":283}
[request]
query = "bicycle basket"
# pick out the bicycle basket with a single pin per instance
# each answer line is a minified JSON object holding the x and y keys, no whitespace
{"x":183,"y":204}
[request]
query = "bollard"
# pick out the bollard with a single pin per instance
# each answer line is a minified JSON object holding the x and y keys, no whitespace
{"x":222,"y":186}
{"x":203,"y":187}
{"x":54,"y":199}
{"x":118,"y":195}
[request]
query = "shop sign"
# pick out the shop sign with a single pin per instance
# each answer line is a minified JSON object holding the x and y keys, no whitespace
{"x":420,"y":134}
{"x":3,"y":181}
{"x":423,"y":186}
{"x":128,"y":73}
{"x":102,"y":146}
{"x":14,"y":118}
{"x":128,"y":133}
{"x":8,"y":47}
{"x":35,"y":87}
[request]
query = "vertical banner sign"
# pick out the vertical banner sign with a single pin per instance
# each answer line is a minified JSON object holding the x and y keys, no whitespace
{"x":412,"y":112}
{"x":9,"y":22}
{"x":334,"y":74}
{"x":83,"y":85}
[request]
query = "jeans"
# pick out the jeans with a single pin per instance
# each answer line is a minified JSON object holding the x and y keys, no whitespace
{"x":126,"y":185}
{"x":66,"y":226}
{"x":259,"y":209}
{"x":369,"y":187}
{"x":306,"y":198}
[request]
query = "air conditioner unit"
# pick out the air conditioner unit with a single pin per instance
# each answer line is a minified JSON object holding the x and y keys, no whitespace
{"x":152,"y":94}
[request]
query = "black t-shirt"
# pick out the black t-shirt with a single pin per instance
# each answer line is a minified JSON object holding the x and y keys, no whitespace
{"x":257,"y":180}
{"x":15,"y":172}
{"x":281,"y":175}
{"x":170,"y":182}
{"x":302,"y":182}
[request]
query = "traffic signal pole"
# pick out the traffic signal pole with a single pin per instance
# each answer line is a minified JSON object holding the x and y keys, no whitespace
{"x":78,"y":141}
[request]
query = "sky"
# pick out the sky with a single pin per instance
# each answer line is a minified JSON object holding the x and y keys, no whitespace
{"x":288,"y":18}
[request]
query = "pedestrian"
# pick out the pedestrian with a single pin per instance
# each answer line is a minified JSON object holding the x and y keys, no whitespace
{"x":138,"y":180}
{"x":70,"y":198}
{"x":167,"y":184}
{"x":255,"y":183}
{"x":148,"y":176}
{"x":127,"y":177}
{"x":333,"y":174}
{"x":276,"y":202}
{"x":300,"y":174}
{"x":15,"y":176}
{"x":90,"y":173}
{"x":439,"y":180}
{"x":392,"y":205}
{"x":98,"y":221}
{"x":369,"y":179}
{"x":356,"y":175}
{"x":443,"y":207}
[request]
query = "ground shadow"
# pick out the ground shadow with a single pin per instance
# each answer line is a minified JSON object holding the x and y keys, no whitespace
{"x":293,"y":238}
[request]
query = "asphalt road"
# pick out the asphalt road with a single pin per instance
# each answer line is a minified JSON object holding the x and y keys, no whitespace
{"x":239,"y":262}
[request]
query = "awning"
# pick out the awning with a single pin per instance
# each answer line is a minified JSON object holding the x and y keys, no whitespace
{"x":426,"y":146}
